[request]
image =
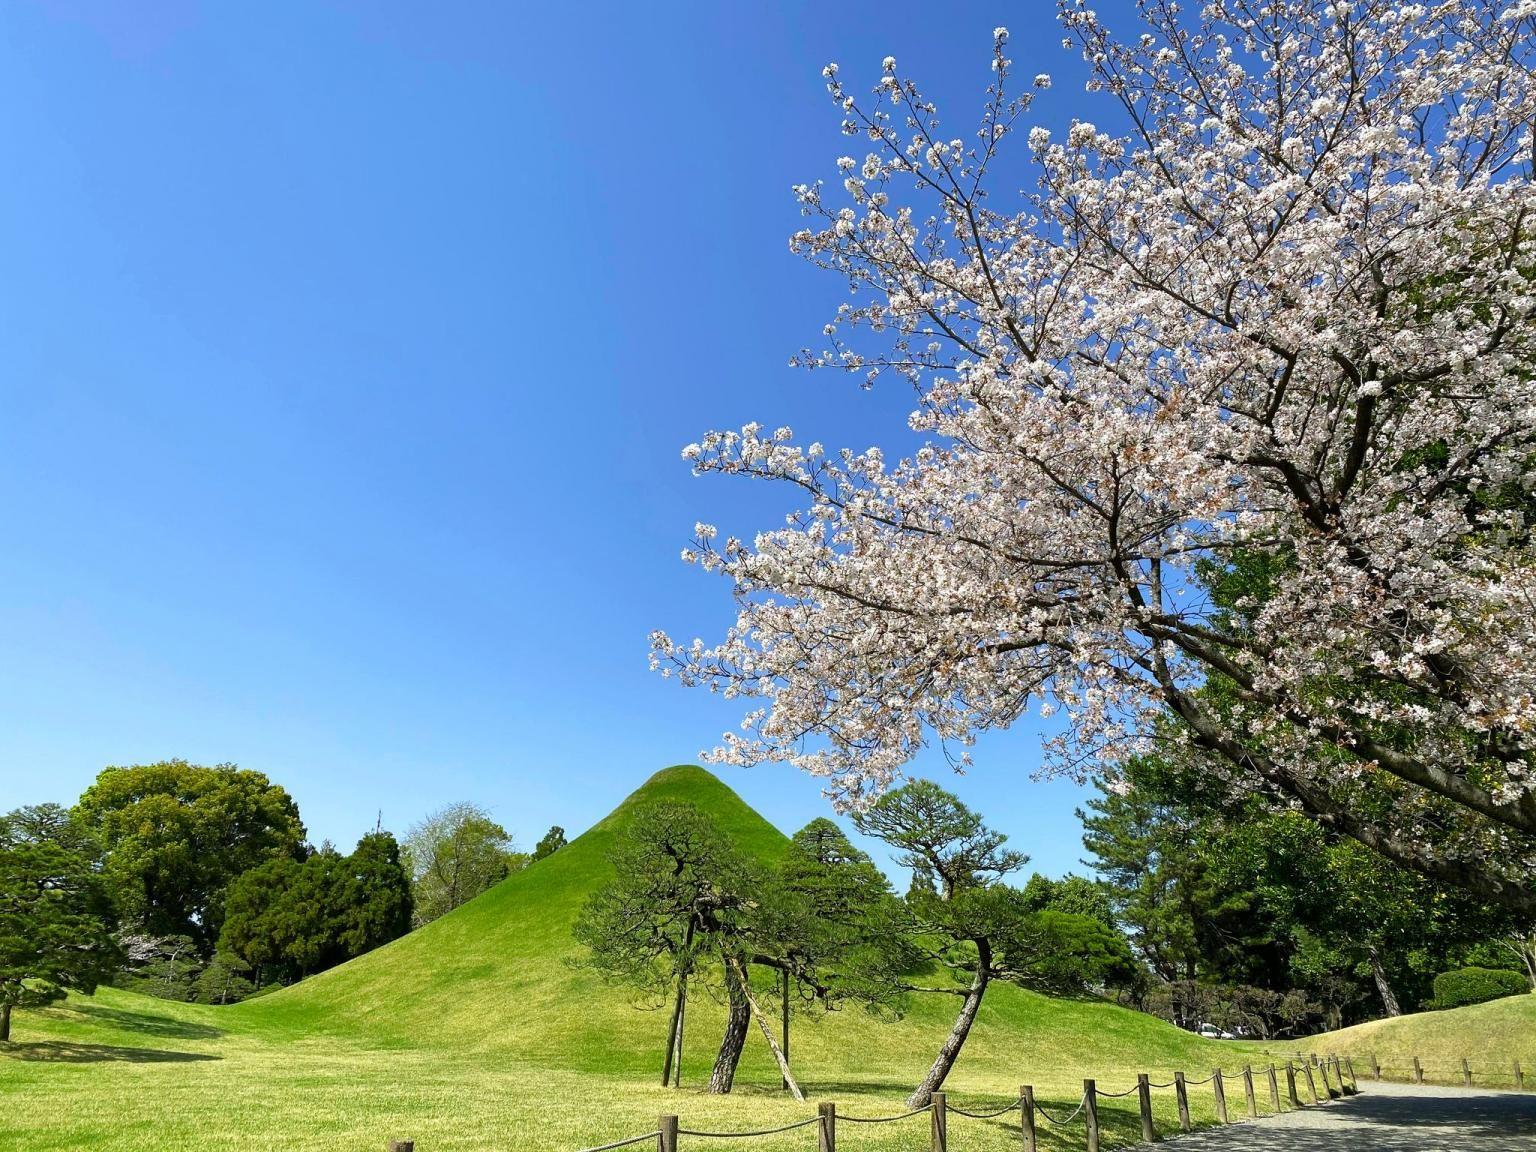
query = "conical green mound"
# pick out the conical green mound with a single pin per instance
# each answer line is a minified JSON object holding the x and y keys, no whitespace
{"x":498,"y":972}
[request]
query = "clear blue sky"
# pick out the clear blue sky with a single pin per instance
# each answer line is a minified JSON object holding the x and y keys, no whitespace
{"x":346,"y":354}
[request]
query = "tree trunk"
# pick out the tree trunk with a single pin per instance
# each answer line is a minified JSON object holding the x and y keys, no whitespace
{"x":922,"y":1096}
{"x":762,"y":1022}
{"x":672,"y":1028}
{"x":1389,"y":1002}
{"x":5,"y":1023}
{"x":738,"y":1016}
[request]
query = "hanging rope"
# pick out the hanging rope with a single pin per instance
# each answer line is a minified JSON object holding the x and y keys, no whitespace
{"x":879,"y":1119}
{"x":623,"y":1143}
{"x":1070,"y":1117}
{"x":1008,"y":1107}
{"x":760,"y":1132}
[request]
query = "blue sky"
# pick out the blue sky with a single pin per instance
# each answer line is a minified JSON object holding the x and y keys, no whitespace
{"x":346,"y":355}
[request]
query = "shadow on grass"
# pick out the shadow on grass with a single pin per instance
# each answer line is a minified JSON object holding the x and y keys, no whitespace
{"x":148,"y":1024}
{"x":61,"y":1052}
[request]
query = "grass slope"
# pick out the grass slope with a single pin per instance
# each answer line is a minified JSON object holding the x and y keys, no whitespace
{"x":476,"y":1032}
{"x":1490,"y":1037}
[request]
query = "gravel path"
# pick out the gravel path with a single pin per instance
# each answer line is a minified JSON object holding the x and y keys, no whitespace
{"x":1388,"y":1118}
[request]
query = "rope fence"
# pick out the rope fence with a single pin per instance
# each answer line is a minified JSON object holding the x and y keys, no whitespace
{"x":1325,"y":1079}
{"x":1484,"y":1076}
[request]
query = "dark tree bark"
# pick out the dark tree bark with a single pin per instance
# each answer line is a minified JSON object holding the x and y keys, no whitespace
{"x":922,"y":1096}
{"x":5,"y":1023}
{"x":1389,"y":1002}
{"x":738,"y":1018}
{"x":674,"y":1027}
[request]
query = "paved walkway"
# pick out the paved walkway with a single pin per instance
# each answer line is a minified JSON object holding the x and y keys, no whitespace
{"x":1388,"y":1118}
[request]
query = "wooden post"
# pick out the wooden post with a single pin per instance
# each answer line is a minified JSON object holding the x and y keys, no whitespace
{"x":826,"y":1132}
{"x":1322,"y":1068}
{"x":1221,"y":1095}
{"x":940,"y":1111}
{"x":784,"y":995}
{"x":666,"y":1139}
{"x":1253,"y":1101}
{"x":1311,"y":1081}
{"x":1091,"y":1113}
{"x":1274,"y":1091}
{"x":1375,"y":1067}
{"x":1290,"y":1084}
{"x":1027,"y":1117}
{"x":1418,"y":1071}
{"x":1144,"y":1098}
{"x":402,"y":1146}
{"x":1519,"y":1078}
{"x":1181,"y":1093}
{"x":1466,"y":1073}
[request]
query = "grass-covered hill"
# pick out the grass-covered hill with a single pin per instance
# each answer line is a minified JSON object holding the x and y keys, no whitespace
{"x":1490,"y":1037}
{"x":478,"y":1032}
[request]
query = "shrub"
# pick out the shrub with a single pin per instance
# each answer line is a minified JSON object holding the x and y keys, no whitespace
{"x":1475,"y":985}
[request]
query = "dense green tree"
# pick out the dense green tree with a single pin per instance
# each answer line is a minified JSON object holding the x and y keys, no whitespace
{"x":452,"y":856}
{"x":55,"y":921}
{"x":552,"y":842}
{"x":176,"y":834}
{"x":226,"y":979}
{"x":289,"y":919}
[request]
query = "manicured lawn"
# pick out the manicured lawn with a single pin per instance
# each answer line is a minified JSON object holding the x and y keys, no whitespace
{"x":478,"y":1033}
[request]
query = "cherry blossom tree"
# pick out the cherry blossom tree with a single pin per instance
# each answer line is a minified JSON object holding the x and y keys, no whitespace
{"x":1286,"y":311}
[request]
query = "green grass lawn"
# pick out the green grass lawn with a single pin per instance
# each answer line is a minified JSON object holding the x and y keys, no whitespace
{"x":476,"y":1033}
{"x":1490,"y":1037}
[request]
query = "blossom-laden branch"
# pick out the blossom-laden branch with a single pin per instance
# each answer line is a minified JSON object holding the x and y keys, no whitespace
{"x":1291,"y":310}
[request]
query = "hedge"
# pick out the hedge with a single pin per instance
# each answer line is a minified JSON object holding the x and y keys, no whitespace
{"x":1475,"y":985}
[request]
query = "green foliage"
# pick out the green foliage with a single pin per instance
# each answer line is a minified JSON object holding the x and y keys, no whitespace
{"x":289,"y":919}
{"x":939,"y":837}
{"x":452,"y":856}
{"x":1069,"y":954}
{"x":226,"y":979}
{"x":55,"y":922}
{"x":176,"y":834}
{"x":553,"y":841}
{"x":1464,"y":986}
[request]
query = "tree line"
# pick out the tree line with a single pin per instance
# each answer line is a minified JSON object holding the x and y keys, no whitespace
{"x":195,"y":882}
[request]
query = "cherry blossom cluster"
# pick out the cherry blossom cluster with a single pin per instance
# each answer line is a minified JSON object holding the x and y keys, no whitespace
{"x":1287,"y":306}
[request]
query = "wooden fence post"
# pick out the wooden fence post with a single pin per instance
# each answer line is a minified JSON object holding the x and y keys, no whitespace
{"x":826,"y":1131}
{"x":1274,"y":1090}
{"x":1375,"y":1067}
{"x":1290,"y":1084}
{"x":1519,"y":1078}
{"x":1181,"y":1092}
{"x":1311,"y":1082}
{"x":1221,"y":1095}
{"x":940,"y":1111}
{"x":1327,"y":1086}
{"x":1027,"y":1116}
{"x":1091,"y":1113}
{"x":1354,"y":1084}
{"x":1253,"y":1101}
{"x":402,"y":1146}
{"x":1466,"y":1072}
{"x":1418,"y":1071}
{"x":1144,"y":1098}
{"x":666,"y":1139}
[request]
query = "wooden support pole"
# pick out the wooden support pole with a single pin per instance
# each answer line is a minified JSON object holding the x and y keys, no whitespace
{"x":1328,"y":1089}
{"x":1144,"y":1098}
{"x":1311,"y":1081}
{"x":826,"y":1132}
{"x":1181,"y":1093}
{"x":1253,"y":1101}
{"x":1418,"y":1071}
{"x":1290,"y":1084}
{"x":402,"y":1146}
{"x":1466,"y":1073}
{"x":1519,"y":1078}
{"x":1091,"y":1113}
{"x":1375,"y":1067}
{"x":784,"y":1009}
{"x":666,"y":1138}
{"x":940,"y":1112}
{"x":1027,"y":1117}
{"x":1221,"y":1095}
{"x":1274,"y":1091}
